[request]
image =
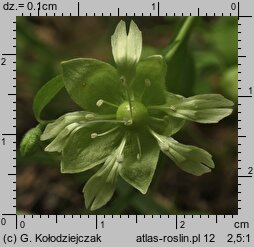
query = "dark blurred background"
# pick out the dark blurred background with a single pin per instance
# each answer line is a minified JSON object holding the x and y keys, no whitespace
{"x":207,"y":64}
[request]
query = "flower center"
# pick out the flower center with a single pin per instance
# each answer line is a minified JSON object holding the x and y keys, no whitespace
{"x":136,"y":116}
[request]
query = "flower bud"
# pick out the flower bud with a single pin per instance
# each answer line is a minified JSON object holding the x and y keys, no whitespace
{"x":31,"y":140}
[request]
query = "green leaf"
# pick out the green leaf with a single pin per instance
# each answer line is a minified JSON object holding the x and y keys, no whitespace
{"x":137,"y":168}
{"x":126,"y":49}
{"x":90,"y":80}
{"x":189,"y":158}
{"x":54,"y":128}
{"x":83,"y":152}
{"x":101,"y":186}
{"x":203,"y":108}
{"x":45,"y":95}
{"x":149,"y":83}
{"x":31,"y":140}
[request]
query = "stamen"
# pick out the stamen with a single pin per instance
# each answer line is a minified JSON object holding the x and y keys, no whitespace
{"x":158,"y":119}
{"x":94,"y":135}
{"x":164,"y":146}
{"x":157,"y":136}
{"x":122,"y":145}
{"x":164,"y":108}
{"x":100,"y":102}
{"x":120,"y":158}
{"x":92,"y":116}
{"x":146,"y":85}
{"x":139,"y":148}
{"x":127,"y":122}
{"x":122,"y":78}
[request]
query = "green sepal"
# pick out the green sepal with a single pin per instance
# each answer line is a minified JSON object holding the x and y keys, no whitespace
{"x":31,"y":140}
{"x":89,"y":80}
{"x":139,"y":171}
{"x":45,"y":95}
{"x":82,"y":152}
{"x":149,"y":83}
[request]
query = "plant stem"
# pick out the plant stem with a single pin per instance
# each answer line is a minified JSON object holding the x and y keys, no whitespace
{"x":181,"y":37}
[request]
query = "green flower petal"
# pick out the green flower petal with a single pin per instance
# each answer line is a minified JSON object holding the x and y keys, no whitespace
{"x":57,"y":145}
{"x":138,"y":168}
{"x":189,"y":158}
{"x":90,"y":80}
{"x":101,"y":186}
{"x":149,"y":83}
{"x":126,"y":49}
{"x":54,"y":128}
{"x":204,"y":108}
{"x":83,"y":152}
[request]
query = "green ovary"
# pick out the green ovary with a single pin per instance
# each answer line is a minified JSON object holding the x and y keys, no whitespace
{"x":136,"y":118}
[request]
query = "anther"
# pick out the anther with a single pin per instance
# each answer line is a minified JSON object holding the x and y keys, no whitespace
{"x":120,"y":158}
{"x":101,"y":102}
{"x":95,"y":135}
{"x":122,"y":78}
{"x":147,"y":84}
{"x":128,"y":122}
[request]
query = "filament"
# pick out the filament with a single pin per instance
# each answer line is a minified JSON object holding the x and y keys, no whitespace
{"x":139,"y":148}
{"x":94,"y":135}
{"x":101,"y":102}
{"x":146,"y":85}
